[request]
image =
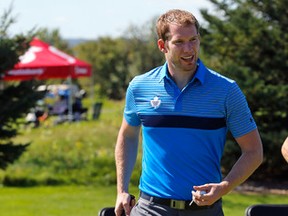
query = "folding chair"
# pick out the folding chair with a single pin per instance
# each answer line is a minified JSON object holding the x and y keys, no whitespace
{"x":267,"y":210}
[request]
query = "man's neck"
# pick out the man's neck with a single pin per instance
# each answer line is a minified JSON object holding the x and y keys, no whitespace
{"x":182,"y":78}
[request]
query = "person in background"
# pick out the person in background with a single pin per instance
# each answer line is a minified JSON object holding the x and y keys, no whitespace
{"x":77,"y":107}
{"x":37,"y":114}
{"x":60,"y":108}
{"x":284,"y":149}
{"x":184,"y":110}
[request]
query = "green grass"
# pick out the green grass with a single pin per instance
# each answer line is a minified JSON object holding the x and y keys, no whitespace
{"x":87,"y":200}
{"x":78,"y":160}
{"x":235,"y":203}
{"x":46,"y":201}
{"x":70,"y":153}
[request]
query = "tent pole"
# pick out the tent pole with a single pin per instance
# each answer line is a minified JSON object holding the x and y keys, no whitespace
{"x":70,"y":99}
{"x":92,"y":94}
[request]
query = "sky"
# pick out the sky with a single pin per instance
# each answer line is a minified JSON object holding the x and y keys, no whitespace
{"x":90,"y":19}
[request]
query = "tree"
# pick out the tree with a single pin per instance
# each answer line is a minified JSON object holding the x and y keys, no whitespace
{"x":109,"y":59}
{"x":116,"y":61}
{"x":143,"y":42}
{"x":16,"y":98}
{"x":54,"y":38}
{"x":249,"y":43}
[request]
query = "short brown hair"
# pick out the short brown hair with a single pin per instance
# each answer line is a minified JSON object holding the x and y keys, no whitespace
{"x":175,"y":16}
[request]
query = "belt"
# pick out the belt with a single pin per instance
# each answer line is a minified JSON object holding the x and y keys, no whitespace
{"x":175,"y":204}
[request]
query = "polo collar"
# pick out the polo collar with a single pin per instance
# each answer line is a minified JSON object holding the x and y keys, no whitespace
{"x":164,"y":72}
{"x":200,"y":72}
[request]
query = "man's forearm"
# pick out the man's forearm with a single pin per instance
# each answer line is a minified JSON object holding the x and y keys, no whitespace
{"x":284,"y":149}
{"x":249,"y":161}
{"x":125,"y":157}
{"x":242,"y":169}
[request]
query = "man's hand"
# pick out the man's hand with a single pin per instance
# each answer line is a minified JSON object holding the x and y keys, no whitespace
{"x":205,"y":195}
{"x":124,"y":204}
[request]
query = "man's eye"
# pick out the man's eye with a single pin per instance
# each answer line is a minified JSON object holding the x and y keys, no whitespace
{"x":178,"y":42}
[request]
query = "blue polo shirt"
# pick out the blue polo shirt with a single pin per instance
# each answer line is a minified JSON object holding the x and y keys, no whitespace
{"x":184,"y":131}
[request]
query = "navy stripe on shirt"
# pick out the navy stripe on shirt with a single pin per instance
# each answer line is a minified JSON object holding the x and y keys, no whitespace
{"x":177,"y":121}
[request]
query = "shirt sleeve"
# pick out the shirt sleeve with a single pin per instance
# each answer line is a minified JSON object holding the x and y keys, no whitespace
{"x":239,"y":118}
{"x":130,"y":110}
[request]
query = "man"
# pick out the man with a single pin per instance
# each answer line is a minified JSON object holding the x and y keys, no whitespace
{"x":284,"y":149}
{"x":184,"y":110}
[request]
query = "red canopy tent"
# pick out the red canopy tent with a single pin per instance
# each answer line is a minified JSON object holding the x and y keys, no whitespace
{"x":43,"y":61}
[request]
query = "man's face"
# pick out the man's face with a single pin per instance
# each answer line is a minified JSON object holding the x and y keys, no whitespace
{"x":182,"y":48}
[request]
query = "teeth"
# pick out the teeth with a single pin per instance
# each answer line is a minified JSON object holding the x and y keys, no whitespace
{"x":188,"y":57}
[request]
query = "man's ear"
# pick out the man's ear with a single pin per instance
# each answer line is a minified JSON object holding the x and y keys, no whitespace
{"x":161,"y":45}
